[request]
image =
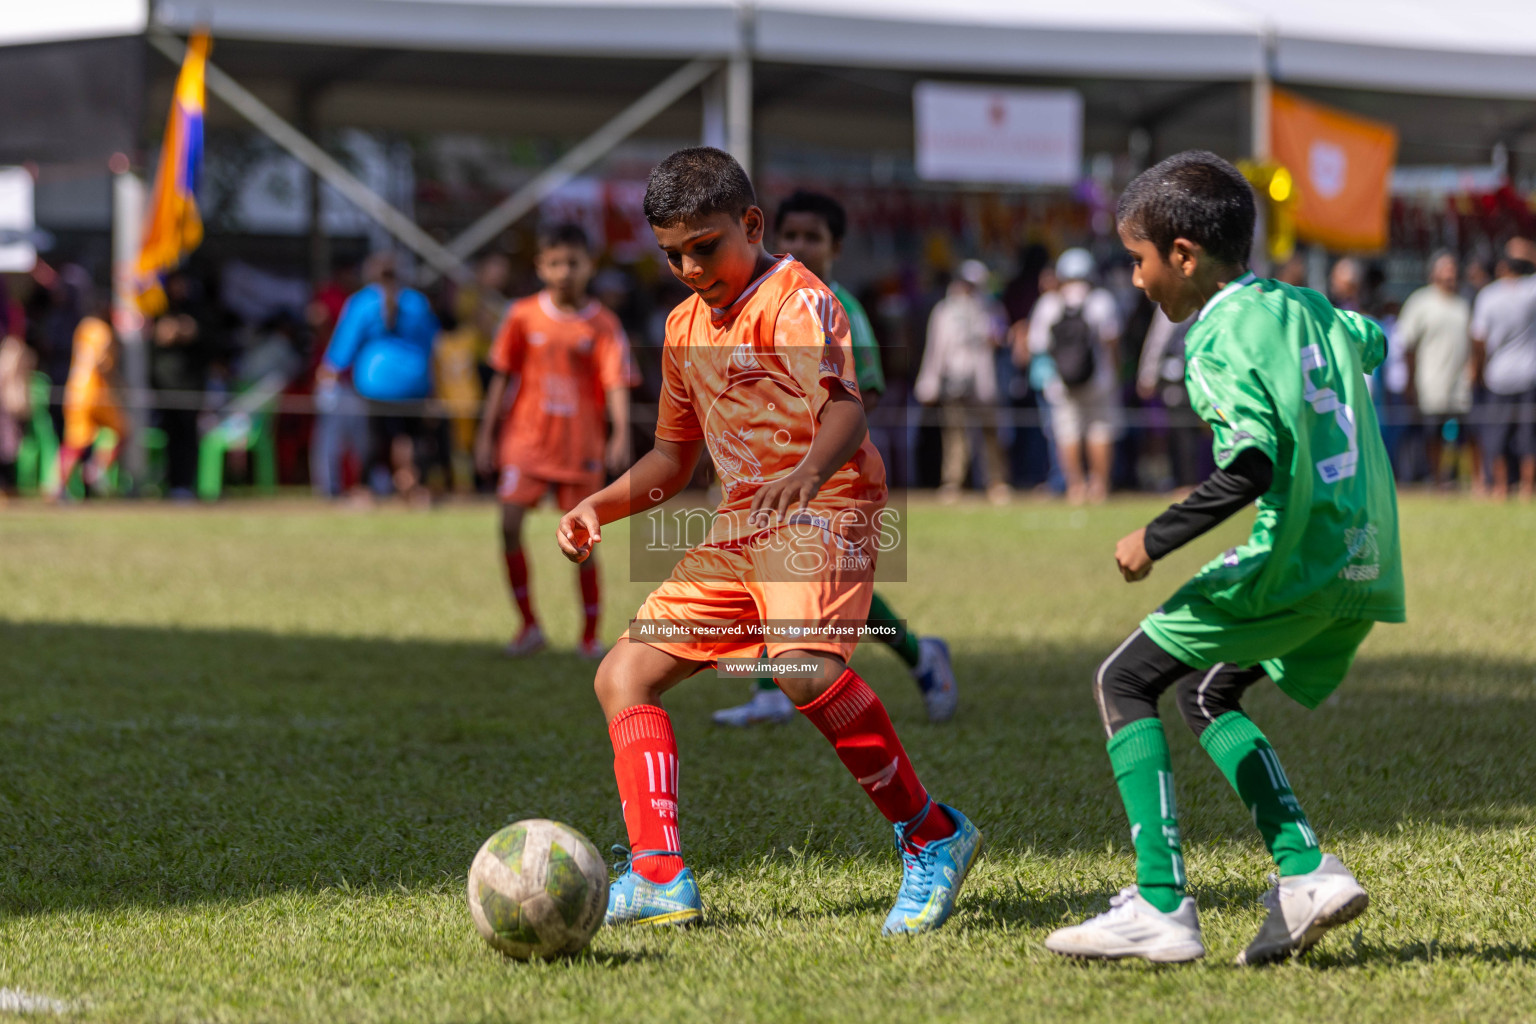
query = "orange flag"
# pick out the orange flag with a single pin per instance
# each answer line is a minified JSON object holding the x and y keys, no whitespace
{"x":1342,"y":166}
{"x":173,"y":226}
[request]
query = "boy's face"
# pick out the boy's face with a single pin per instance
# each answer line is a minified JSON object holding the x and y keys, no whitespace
{"x":564,"y":270}
{"x":1168,"y":281}
{"x":716,"y":256}
{"x":806,"y":237}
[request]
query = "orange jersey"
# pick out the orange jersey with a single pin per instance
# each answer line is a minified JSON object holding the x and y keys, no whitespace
{"x":566,"y":363}
{"x":89,"y":363}
{"x":751,"y":382}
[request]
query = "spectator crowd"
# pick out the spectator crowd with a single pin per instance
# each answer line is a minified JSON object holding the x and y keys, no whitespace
{"x":1054,"y":376}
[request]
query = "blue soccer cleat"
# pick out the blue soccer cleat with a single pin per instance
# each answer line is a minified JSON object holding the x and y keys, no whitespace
{"x":931,"y":875}
{"x":936,"y":679}
{"x":635,"y":899}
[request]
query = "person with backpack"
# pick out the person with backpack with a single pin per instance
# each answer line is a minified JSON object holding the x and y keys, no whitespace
{"x":1077,"y":327}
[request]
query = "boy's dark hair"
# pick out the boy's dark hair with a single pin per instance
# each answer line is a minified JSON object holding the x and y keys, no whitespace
{"x":556,"y":236}
{"x":697,"y":182}
{"x":818,"y":204}
{"x":1195,"y":195}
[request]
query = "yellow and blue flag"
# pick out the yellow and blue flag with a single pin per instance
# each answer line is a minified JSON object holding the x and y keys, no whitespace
{"x":173,"y":227}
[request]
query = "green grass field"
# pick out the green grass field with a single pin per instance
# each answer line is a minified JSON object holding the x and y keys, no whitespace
{"x":247,"y":753}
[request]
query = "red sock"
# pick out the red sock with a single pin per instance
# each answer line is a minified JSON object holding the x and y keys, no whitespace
{"x":852,"y":717}
{"x":587,"y":574}
{"x":517,"y":576}
{"x":645,"y":764}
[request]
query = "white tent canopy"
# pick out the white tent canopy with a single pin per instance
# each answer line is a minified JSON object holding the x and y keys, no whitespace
{"x":1475,"y":47}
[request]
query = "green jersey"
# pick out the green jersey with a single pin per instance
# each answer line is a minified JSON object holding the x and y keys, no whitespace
{"x":1277,"y":368}
{"x":866,"y":351}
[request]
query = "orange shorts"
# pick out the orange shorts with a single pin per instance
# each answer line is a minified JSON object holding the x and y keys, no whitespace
{"x":83,"y":420}
{"x":518,"y":487}
{"x":736,"y":601}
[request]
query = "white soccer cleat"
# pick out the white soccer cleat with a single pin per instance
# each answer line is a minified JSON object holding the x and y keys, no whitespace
{"x":591,"y":650}
{"x":1133,"y":927}
{"x":529,"y":641}
{"x":765,"y":707}
{"x":936,"y":679}
{"x":1302,"y":908}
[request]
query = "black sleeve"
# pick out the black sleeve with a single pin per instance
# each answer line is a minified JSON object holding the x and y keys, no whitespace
{"x":1224,"y":492}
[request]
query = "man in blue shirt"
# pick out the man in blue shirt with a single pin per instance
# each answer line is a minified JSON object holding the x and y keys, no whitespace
{"x":384,"y":337}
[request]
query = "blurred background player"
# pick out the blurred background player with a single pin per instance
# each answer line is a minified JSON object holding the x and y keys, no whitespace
{"x":810,"y":226}
{"x":564,"y":357}
{"x":90,"y":404}
{"x":792,"y":543}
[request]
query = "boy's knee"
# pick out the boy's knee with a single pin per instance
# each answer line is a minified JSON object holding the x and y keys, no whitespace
{"x":803,"y":687}
{"x":1203,"y":697}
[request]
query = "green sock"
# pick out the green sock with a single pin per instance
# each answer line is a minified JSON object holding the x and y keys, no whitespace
{"x":765,"y":683}
{"x":903,"y":643}
{"x":1250,"y":765}
{"x":1139,"y":755}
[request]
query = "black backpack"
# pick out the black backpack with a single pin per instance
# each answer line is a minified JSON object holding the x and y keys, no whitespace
{"x":1072,"y":347}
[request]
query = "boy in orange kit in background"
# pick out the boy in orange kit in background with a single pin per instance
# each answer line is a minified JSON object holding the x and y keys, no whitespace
{"x":756,"y":365}
{"x":570,"y":359}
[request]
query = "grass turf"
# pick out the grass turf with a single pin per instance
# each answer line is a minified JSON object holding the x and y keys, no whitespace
{"x":246,"y":755}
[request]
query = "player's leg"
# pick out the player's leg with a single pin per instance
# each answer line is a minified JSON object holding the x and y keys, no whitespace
{"x":654,"y":887}
{"x":803,"y":574}
{"x":1152,"y":919}
{"x":515,"y":491}
{"x":1314,"y":891}
{"x":927,"y":658}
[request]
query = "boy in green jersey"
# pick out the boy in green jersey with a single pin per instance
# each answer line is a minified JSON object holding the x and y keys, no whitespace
{"x":1279,"y":375}
{"x":811,"y":226}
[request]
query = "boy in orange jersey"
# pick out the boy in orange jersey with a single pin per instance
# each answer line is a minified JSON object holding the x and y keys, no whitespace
{"x":570,"y":358}
{"x":756,"y":365}
{"x":89,"y":404}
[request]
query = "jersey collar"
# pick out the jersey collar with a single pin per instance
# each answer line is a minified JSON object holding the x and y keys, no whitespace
{"x":720,"y":316}
{"x":1231,"y":287}
{"x":554,"y":312}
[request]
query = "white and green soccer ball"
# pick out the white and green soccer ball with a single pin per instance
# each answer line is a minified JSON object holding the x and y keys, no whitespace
{"x":538,"y":888}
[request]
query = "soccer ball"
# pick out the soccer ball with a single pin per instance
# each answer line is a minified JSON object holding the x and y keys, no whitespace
{"x":538,"y":888}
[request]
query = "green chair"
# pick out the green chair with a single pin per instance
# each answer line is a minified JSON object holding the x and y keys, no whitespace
{"x":37,"y":460}
{"x":247,"y":425}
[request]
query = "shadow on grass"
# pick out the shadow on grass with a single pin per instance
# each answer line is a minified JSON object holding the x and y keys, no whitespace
{"x":147,"y":767}
{"x":1421,"y":951}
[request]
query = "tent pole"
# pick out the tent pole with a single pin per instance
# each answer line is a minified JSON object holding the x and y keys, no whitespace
{"x":127,"y":232}
{"x":321,"y":163}
{"x":738,"y":92}
{"x":578,"y":158}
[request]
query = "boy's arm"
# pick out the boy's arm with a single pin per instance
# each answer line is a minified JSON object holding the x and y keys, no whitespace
{"x":843,"y":429}
{"x":1224,"y":493}
{"x":656,"y":476}
{"x":616,"y":458}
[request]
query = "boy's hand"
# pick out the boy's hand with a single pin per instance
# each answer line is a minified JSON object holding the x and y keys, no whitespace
{"x":616,"y":458}
{"x":578,"y":532}
{"x":485,"y":453}
{"x":1131,"y":556}
{"x":777,"y":498}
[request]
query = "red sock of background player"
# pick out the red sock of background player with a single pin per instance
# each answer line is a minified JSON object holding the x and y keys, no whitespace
{"x":587,"y":574}
{"x":517,"y":577}
{"x":852,"y":717}
{"x":645,"y":765}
